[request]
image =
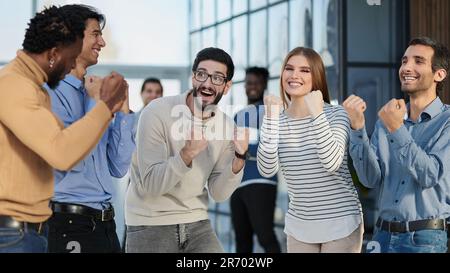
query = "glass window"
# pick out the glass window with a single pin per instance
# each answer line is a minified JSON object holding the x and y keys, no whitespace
{"x":239,"y":47}
{"x":14,"y":17}
{"x":368,"y":33}
{"x":132,"y":37}
{"x":195,"y":14}
{"x":300,"y":24}
{"x":255,"y":4}
{"x":196,"y":45}
{"x":239,"y":6}
{"x":372,"y":85}
{"x":209,"y":37}
{"x":278,"y":33}
{"x":223,"y":9}
{"x":258,"y":39}
{"x":224,"y":37}
{"x":209,"y":12}
{"x":326,"y":42}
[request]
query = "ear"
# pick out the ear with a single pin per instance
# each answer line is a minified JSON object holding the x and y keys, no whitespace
{"x":440,"y":75}
{"x":53,"y":54}
{"x":227,"y":87}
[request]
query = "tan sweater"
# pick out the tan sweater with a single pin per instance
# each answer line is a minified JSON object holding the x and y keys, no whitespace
{"x":33,"y":140}
{"x":163,"y":190}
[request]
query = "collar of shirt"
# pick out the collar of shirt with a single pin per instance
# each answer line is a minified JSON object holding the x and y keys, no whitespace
{"x":74,"y":82}
{"x":431,"y":111}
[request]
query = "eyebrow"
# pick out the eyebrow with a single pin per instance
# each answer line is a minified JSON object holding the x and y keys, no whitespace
{"x":301,"y":67}
{"x":214,"y":73}
{"x":97,"y":31}
{"x":415,"y":57}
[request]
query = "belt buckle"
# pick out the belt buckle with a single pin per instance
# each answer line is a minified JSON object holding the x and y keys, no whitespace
{"x":107,"y":215}
{"x":104,"y":215}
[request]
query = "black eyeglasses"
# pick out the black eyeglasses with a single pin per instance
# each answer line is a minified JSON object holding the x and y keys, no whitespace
{"x":216,"y":79}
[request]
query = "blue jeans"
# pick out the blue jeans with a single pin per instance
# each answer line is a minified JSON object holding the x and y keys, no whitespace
{"x":197,"y":237}
{"x":423,"y":241}
{"x":23,"y":241}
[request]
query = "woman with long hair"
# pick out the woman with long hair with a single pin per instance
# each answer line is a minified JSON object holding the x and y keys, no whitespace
{"x":306,"y":137}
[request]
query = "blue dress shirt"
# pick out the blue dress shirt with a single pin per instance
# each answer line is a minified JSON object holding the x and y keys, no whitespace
{"x":411,"y":166}
{"x":90,"y":182}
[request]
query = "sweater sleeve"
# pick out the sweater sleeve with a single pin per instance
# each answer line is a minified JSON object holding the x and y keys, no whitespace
{"x":331,"y":138}
{"x":159,"y":171}
{"x":267,"y":156}
{"x":22,"y":112}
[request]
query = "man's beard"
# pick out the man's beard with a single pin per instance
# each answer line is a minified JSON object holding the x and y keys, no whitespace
{"x":55,"y":77}
{"x":216,"y":101}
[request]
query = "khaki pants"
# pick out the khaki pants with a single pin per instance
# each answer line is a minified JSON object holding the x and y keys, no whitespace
{"x":349,"y":244}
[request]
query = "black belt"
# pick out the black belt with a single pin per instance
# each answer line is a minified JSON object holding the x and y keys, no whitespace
{"x":100,"y":215}
{"x":9,"y":222}
{"x":402,"y":227}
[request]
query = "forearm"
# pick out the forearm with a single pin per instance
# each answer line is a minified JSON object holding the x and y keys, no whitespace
{"x":121,"y":144}
{"x":222,"y":186}
{"x":267,"y":155}
{"x":331,"y":143}
{"x":159,"y":177}
{"x":364,"y":159}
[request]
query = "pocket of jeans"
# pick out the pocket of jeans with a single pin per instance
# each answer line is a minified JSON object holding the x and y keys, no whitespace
{"x":428,"y":238}
{"x":135,"y":229}
{"x":9,"y":238}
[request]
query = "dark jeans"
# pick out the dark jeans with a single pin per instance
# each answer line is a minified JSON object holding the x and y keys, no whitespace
{"x":252,"y":212}
{"x":23,"y":241}
{"x":73,"y":233}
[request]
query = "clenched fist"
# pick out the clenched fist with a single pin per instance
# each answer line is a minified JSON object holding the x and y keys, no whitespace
{"x":392,"y":114}
{"x":355,"y":107}
{"x":273,"y":106}
{"x":314,"y":103}
{"x":93,"y":85}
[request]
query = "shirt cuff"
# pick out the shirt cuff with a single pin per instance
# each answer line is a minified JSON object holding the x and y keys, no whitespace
{"x":399,"y":138}
{"x":125,"y":121}
{"x":358,"y":136}
{"x":179,"y":166}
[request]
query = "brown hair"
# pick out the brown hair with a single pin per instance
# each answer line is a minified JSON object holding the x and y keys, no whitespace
{"x":319,"y":81}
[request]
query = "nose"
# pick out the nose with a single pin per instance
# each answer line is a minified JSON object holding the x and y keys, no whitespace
{"x":208,"y":81}
{"x":406,"y":66}
{"x":101,"y":41}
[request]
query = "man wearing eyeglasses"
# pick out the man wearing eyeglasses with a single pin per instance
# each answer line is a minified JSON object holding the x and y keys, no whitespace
{"x":177,"y":165}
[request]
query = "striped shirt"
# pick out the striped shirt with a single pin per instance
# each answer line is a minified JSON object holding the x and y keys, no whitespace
{"x":312,"y":156}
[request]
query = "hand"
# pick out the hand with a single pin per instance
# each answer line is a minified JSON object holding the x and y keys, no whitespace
{"x":194,"y":145}
{"x":241,"y":139}
{"x":314,"y":102}
{"x":355,"y":107}
{"x":113,"y":91}
{"x":273,"y":106}
{"x":126,"y":104}
{"x":93,"y":85}
{"x":392,"y":114}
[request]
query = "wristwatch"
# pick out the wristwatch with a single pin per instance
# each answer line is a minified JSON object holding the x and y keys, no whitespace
{"x":244,"y":156}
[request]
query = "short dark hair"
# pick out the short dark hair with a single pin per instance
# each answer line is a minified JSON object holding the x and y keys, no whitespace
{"x":218,"y":55}
{"x":152,"y":80}
{"x":440,"y":57}
{"x":54,"y":26}
{"x":259,"y":71}
{"x":86,"y":12}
